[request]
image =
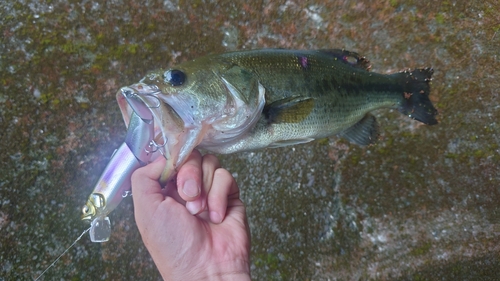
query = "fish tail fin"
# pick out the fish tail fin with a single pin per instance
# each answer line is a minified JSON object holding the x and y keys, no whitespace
{"x":416,"y":103}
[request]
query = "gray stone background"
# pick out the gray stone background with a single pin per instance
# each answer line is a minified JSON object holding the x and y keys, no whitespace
{"x":421,"y":204}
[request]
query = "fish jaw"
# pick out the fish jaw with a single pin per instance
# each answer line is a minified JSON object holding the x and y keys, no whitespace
{"x":174,"y":136}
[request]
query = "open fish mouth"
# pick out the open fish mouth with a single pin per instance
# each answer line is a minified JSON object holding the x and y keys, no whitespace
{"x":143,"y":92}
{"x":168,"y":125}
{"x":148,"y":94}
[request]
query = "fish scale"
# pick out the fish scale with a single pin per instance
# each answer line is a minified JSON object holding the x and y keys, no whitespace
{"x":337,"y":105}
{"x":250,"y":100}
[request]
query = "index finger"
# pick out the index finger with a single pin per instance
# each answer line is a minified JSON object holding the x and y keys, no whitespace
{"x":146,"y":190}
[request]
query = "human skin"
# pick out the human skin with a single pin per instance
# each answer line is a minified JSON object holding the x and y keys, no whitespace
{"x":196,"y":227}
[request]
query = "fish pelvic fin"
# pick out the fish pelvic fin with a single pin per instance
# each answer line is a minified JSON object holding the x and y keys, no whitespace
{"x":416,"y":103}
{"x":365,"y":132}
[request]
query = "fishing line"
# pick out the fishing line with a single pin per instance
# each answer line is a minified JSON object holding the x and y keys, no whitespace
{"x":67,"y":249}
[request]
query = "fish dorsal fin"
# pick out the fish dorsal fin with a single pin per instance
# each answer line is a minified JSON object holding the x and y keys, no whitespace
{"x":351,"y":58}
{"x":289,"y":110}
{"x":364,"y":132}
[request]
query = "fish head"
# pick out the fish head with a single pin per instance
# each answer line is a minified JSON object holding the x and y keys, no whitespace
{"x":197,"y":102}
{"x":194,"y":93}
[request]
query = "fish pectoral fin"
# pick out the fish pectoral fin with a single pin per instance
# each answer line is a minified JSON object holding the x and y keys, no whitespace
{"x":364,"y":132}
{"x":289,"y":110}
{"x":289,"y":142}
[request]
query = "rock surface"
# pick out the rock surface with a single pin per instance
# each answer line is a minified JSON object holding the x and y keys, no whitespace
{"x":420,"y":204}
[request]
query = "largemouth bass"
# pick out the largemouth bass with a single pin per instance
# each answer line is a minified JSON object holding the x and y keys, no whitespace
{"x":250,"y":100}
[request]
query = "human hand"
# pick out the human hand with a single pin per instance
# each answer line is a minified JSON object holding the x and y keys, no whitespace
{"x":195,"y":228}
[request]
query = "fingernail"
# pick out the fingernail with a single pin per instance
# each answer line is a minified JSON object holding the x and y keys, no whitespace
{"x":215,"y":217}
{"x":191,"y":188}
{"x":194,"y":207}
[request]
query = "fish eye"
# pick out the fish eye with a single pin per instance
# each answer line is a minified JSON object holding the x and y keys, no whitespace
{"x":174,"y":77}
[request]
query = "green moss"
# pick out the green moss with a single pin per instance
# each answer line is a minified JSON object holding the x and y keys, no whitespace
{"x":382,"y":150}
{"x":355,"y":159}
{"x":150,"y":27}
{"x":148,"y":47}
{"x":132,"y":49}
{"x":100,"y":37}
{"x":422,"y":250}
{"x":97,"y":67}
{"x":440,"y":18}
{"x":478,"y":153}
{"x":457,"y":269}
{"x":348,"y":18}
{"x":473,"y":138}
{"x":407,"y":134}
{"x":46,"y":42}
{"x":323,"y":141}
{"x":268,"y":260}
{"x":418,"y":277}
{"x":451,"y":155}
{"x":44,"y":98}
{"x":69,"y":48}
{"x":84,"y":105}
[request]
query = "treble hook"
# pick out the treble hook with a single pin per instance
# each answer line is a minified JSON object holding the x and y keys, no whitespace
{"x":127,"y":193}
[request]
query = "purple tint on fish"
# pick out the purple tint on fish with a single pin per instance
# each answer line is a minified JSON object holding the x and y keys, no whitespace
{"x":303,"y":62}
{"x":350,"y":60}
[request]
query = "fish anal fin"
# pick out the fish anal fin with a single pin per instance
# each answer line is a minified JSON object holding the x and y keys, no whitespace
{"x":351,"y":58}
{"x":289,"y":110}
{"x":364,"y":132}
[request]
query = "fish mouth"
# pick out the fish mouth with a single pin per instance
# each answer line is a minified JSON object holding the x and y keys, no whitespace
{"x":168,"y":125}
{"x":138,"y":92}
{"x":144,"y":92}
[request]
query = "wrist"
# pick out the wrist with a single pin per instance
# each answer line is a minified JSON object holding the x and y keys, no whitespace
{"x":238,"y":270}
{"x":233,"y":276}
{"x":224,"y":270}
